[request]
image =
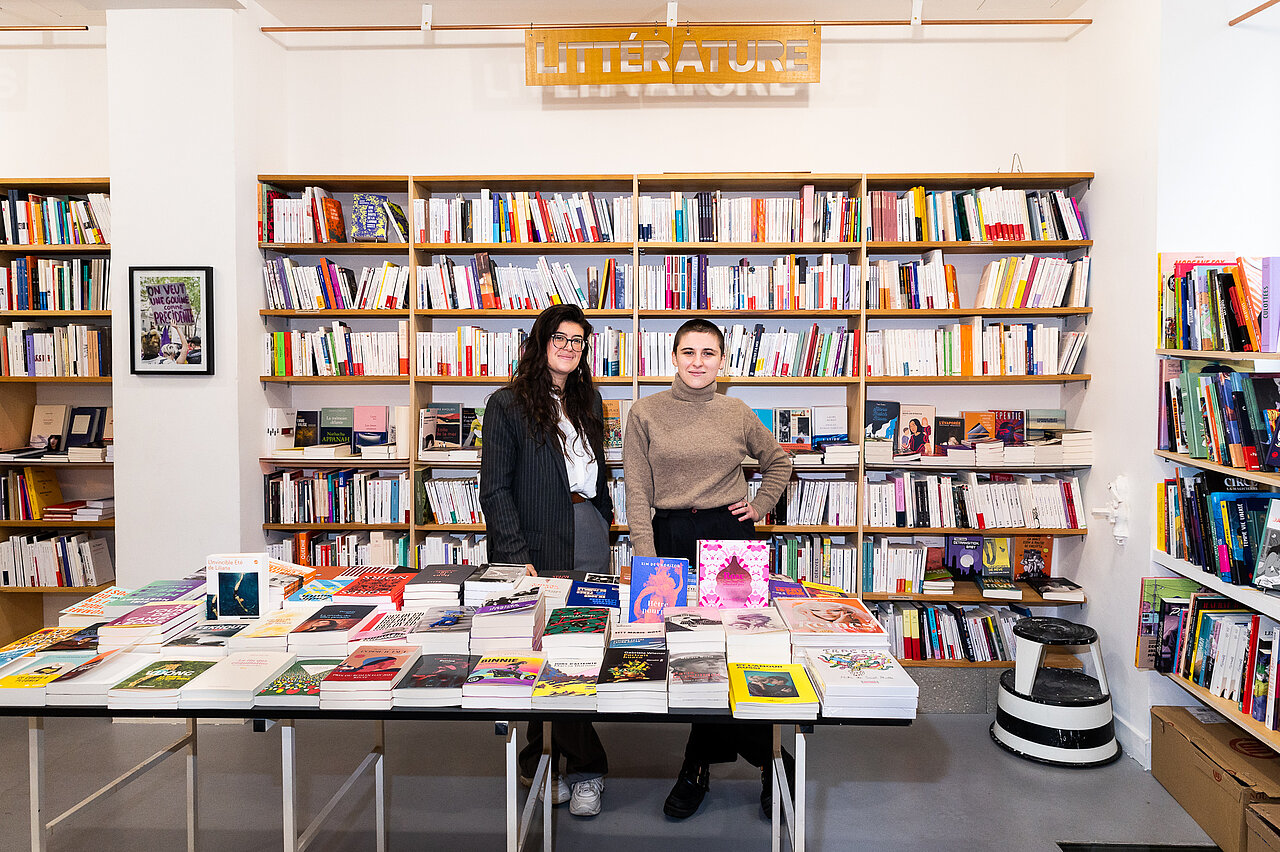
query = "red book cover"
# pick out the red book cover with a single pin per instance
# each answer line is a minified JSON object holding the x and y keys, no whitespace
{"x":1069,"y":505}
{"x":373,"y":664}
{"x":333,"y":220}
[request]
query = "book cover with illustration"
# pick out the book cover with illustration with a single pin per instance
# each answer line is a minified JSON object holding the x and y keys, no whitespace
{"x":948,"y":432}
{"x":881,"y":420}
{"x":42,"y":668}
{"x":997,"y":560}
{"x":733,"y":573}
{"x":633,"y":665}
{"x":567,"y":678}
{"x":859,"y":672}
{"x":574,"y":620}
{"x":300,"y":682}
{"x":86,"y":639}
{"x":698,"y":668}
{"x":368,"y":218}
{"x":372,"y":665}
{"x":1011,"y":427}
{"x":656,"y":583}
{"x":439,"y":671}
{"x":165,"y":674}
{"x":828,"y":615}
{"x":964,"y":554}
{"x":978,"y":426}
{"x":1032,"y":556}
{"x":505,"y":671}
{"x":770,"y":685}
{"x":915,"y":429}
{"x":593,"y":594}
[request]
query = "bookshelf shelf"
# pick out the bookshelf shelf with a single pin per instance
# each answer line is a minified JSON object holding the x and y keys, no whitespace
{"x":916,"y":468}
{"x":1272,"y":479}
{"x":339,"y":183}
{"x":967,"y":593}
{"x":432,"y":527}
{"x":335,"y":527}
{"x":930,"y":313}
{"x":336,"y":380}
{"x":355,"y":462}
{"x":955,"y":664}
{"x":68,"y":380}
{"x":470,"y":313}
{"x":653,"y":247}
{"x":52,"y":315}
{"x":648,"y":313}
{"x":976,"y":380}
{"x":968,"y":180}
{"x":102,"y":465}
{"x":763,"y":380}
{"x":1000,"y":532}
{"x":337,"y":314}
{"x":1254,"y":599}
{"x":43,"y":248}
{"x":502,"y":380}
{"x":1212,"y":355}
{"x":523,"y":248}
{"x":1231,"y":711}
{"x":980,"y":247}
{"x":55,"y":590}
{"x":57,"y":525}
{"x":337,"y":248}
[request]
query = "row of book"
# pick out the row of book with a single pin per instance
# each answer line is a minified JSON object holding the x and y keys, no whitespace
{"x":813,"y":502}
{"x":480,"y":283}
{"x":28,"y":219}
{"x":755,"y":352}
{"x":1219,"y":302}
{"x":63,"y":433}
{"x":377,"y":547}
{"x":473,"y":351}
{"x":71,"y":350}
{"x":1029,"y":281}
{"x":946,"y":631}
{"x":979,"y":215}
{"x":522,"y":217}
{"x":336,"y":497}
{"x":1210,"y":411}
{"x":685,"y":282}
{"x":961,"y":349}
{"x":815,"y":558}
{"x":717,"y":216}
{"x":46,"y":559}
{"x":336,"y":350}
{"x":55,"y":284}
{"x":965,"y":501}
{"x":1227,"y":526}
{"x":370,"y":431}
{"x":318,"y":217}
{"x":327,"y":286}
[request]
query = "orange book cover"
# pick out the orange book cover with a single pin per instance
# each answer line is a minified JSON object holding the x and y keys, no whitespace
{"x":333,"y":220}
{"x":966,"y":350}
{"x":1248,"y":302}
{"x":760,"y":231}
{"x":1032,"y":556}
{"x":953,"y":291}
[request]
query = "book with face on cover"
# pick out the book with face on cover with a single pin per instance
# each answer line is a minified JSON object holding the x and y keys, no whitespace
{"x":656,"y":583}
{"x":733,"y":573}
{"x":815,"y":621}
{"x":758,"y":691}
{"x":371,"y":667}
{"x":25,"y":684}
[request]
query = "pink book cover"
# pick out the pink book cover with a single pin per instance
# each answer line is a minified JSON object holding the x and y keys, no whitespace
{"x":373,"y":664}
{"x":369,"y":418}
{"x":733,"y":574}
{"x":156,"y":614}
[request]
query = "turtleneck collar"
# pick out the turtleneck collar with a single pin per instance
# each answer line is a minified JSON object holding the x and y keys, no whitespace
{"x":684,"y":393}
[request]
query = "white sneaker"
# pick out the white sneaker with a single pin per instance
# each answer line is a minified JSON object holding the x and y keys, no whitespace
{"x":586,"y":797}
{"x":559,"y":789}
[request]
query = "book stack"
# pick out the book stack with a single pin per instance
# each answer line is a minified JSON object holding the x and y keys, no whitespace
{"x":785,"y":587}
{"x":878,"y":451}
{"x":567,"y":684}
{"x":583,"y":593}
{"x":385,"y":591}
{"x":490,"y":582}
{"x":756,"y":636}
{"x":149,"y":627}
{"x":84,"y":639}
{"x":576,"y":632}
{"x":961,"y":455}
{"x":23,"y":682}
{"x":653,"y":584}
{"x":386,"y":627}
{"x":313,"y":594}
{"x":444,"y":630}
{"x":91,"y":610}
{"x":327,"y":632}
{"x":858,"y":684}
{"x":81,"y":510}
{"x":555,"y":591}
{"x":235,"y":680}
{"x":366,"y":677}
{"x":503,"y":682}
{"x":937,"y":581}
{"x":698,"y":680}
{"x":87,"y":453}
{"x":437,"y":585}
{"x":841,"y":454}
{"x":638,"y":634}
{"x":691,"y":628}
{"x":298,"y":685}
{"x":155,"y":592}
{"x":632,"y":680}
{"x":1056,"y":589}
{"x":511,"y":622}
{"x":435,"y":680}
{"x":87,"y":683}
{"x":998,"y":588}
{"x":988,"y":453}
{"x":831,"y":622}
{"x":1077,"y":446}
{"x":271,"y":633}
{"x":203,"y":640}
{"x":1019,"y":455}
{"x":157,"y":685}
{"x":771,"y":692}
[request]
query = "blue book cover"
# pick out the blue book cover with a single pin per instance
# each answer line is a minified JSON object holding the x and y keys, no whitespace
{"x":656,"y":584}
{"x":593,"y":594}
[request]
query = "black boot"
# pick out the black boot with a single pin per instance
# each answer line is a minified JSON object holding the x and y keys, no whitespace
{"x":766,"y":782}
{"x":690,"y":789}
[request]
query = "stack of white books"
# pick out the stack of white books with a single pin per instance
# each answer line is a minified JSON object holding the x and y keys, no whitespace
{"x":327,"y":632}
{"x":272,"y":632}
{"x":1019,"y":455}
{"x":490,"y":582}
{"x":692,"y":628}
{"x":632,"y":680}
{"x":87,"y":684}
{"x":756,"y":636}
{"x":99,"y":509}
{"x":878,"y":452}
{"x":989,"y":453}
{"x":511,"y":622}
{"x":235,"y":679}
{"x":638,"y":634}
{"x":961,"y":456}
{"x":298,"y":685}
{"x":842,"y":454}
{"x":503,"y":681}
{"x":366,"y":677}
{"x":555,"y":591}
{"x":576,"y":632}
{"x":157,"y":685}
{"x":698,"y":680}
{"x":444,"y":630}
{"x":86,"y":454}
{"x":1048,"y":451}
{"x":855,"y":683}
{"x":435,"y":680}
{"x":567,"y":684}
{"x":203,"y":640}
{"x":149,"y":627}
{"x":387,"y":627}
{"x":91,"y":610}
{"x":23,"y":682}
{"x":830,"y":623}
{"x":437,"y":585}
{"x":1077,"y":446}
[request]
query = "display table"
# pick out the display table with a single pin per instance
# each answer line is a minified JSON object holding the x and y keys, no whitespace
{"x":517,"y":821}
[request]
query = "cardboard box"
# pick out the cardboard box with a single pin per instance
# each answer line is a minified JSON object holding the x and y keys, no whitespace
{"x":1214,"y":769}
{"x":1263,"y":823}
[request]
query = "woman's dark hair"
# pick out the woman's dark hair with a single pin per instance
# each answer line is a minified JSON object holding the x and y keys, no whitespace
{"x":536,"y":392}
{"x":701,"y":325}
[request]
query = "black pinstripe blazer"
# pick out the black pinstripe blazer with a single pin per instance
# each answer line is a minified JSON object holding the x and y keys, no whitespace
{"x":524,"y":490}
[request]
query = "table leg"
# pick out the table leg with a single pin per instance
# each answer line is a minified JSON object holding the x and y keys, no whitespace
{"x":289,"y":783}
{"x":35,"y":758}
{"x":546,"y":787}
{"x":775,"y":817}
{"x":380,"y":787}
{"x":797,"y":841}
{"x":193,"y":798}
{"x":513,"y":828}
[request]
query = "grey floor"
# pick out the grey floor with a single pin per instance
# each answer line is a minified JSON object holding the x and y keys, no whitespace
{"x":939,"y":784}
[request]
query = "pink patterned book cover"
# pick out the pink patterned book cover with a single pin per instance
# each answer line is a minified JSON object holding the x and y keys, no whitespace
{"x":733,"y":574}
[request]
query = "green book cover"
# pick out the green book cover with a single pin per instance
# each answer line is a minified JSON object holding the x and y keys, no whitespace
{"x":576,"y":620}
{"x":337,"y":425}
{"x":166,"y":674}
{"x":301,"y":678}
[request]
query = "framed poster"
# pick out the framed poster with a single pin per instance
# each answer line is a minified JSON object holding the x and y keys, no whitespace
{"x":171,"y":319}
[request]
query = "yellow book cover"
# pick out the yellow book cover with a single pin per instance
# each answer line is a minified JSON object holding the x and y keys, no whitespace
{"x":42,"y":490}
{"x":277,"y":624}
{"x":824,"y":590}
{"x":564,"y":678}
{"x":42,"y":637}
{"x":43,"y":669}
{"x":774,"y":685}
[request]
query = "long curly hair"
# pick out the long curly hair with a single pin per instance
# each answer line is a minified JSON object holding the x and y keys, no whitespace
{"x":536,"y":392}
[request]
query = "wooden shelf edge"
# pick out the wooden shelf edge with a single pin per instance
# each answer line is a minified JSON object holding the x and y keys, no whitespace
{"x":1230,"y":711}
{"x":55,"y":590}
{"x":1255,"y":599}
{"x":1272,"y":479}
{"x":1211,"y":355}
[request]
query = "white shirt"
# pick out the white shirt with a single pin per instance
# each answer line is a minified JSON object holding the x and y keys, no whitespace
{"x":579,"y":461}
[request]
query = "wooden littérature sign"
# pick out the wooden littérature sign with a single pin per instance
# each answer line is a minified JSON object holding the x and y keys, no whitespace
{"x":603,"y":56}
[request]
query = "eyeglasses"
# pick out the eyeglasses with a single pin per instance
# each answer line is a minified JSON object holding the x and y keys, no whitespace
{"x":561,"y":342}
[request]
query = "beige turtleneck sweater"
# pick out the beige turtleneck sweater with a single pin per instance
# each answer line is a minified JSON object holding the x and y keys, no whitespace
{"x":684,"y":449}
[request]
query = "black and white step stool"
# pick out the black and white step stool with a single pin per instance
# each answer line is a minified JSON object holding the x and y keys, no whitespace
{"x":1052,"y":715}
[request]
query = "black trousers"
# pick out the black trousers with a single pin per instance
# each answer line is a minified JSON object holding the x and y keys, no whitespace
{"x":676,"y":533}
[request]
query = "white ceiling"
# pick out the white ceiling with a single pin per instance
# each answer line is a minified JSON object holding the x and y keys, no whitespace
{"x":407,"y":12}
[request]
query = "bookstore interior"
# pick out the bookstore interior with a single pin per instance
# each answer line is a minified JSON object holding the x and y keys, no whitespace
{"x":959,"y":269}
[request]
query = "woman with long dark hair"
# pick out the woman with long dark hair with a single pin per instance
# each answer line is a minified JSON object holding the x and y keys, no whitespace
{"x":545,"y":496}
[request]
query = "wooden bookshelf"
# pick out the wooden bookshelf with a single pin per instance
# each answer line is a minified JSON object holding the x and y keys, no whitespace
{"x":941,"y":313}
{"x":85,"y":591}
{"x":55,"y":315}
{"x":1271,"y":479}
{"x":977,"y":380}
{"x":335,"y":380}
{"x":980,"y":246}
{"x":58,"y":525}
{"x":1211,"y":355}
{"x":967,"y":592}
{"x":335,"y":527}
{"x":1231,"y":711}
{"x":336,"y":248}
{"x":52,"y":248}
{"x":334,"y":313}
{"x":57,"y":380}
